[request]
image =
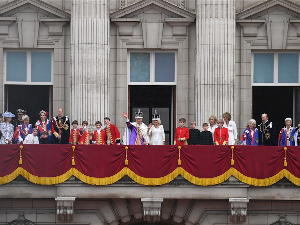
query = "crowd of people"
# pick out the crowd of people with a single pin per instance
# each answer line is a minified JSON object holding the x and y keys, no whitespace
{"x":215,"y":132}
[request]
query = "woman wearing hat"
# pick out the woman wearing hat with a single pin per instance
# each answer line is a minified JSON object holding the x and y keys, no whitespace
{"x":6,"y":128}
{"x":156,"y":131}
{"x":23,"y":130}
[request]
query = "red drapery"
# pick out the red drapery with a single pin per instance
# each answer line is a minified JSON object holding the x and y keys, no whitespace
{"x":149,"y":165}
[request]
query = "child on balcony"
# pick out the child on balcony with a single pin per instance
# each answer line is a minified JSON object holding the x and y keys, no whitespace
{"x":221,"y":134}
{"x":99,"y":135}
{"x":74,"y":136}
{"x":206,"y":137}
{"x":182,"y":133}
{"x":84,"y":134}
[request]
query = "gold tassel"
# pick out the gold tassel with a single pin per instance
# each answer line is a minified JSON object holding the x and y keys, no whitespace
{"x":285,"y":162}
{"x":126,"y":160}
{"x":20,"y":160}
{"x":73,"y":160}
{"x":232,"y":160}
{"x":179,"y":160}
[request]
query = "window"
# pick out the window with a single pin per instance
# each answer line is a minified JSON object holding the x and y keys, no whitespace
{"x":281,"y":69}
{"x":28,"y":67}
{"x":152,"y":68}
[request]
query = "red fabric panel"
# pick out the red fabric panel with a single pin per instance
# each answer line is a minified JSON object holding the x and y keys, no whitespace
{"x":293,"y":160}
{"x":206,"y":161}
{"x":258,"y":162}
{"x":47,"y":160}
{"x":9,"y":159}
{"x":99,"y":160}
{"x":152,"y":161}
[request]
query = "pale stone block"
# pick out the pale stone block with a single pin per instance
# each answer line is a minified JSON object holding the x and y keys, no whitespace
{"x":43,"y":30}
{"x":137,"y":30}
{"x":122,"y":68}
{"x":3,"y":218}
{"x":13,"y":30}
{"x":121,"y":81}
{"x":89,"y":218}
{"x":113,"y":55}
{"x":257,"y":219}
{"x":237,"y":55}
{"x":67,"y":55}
{"x":46,"y":218}
{"x":121,"y":94}
{"x":246,"y":82}
{"x":237,"y":68}
{"x":246,"y":68}
{"x":67,"y":29}
{"x":112,"y":68}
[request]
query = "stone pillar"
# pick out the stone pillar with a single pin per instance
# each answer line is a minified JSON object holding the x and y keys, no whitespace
{"x":215,"y":65}
{"x":90,"y":60}
{"x":152,"y":209}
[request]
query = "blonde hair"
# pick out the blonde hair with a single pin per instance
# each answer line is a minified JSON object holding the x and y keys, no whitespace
{"x":227,"y":115}
{"x":215,"y":119}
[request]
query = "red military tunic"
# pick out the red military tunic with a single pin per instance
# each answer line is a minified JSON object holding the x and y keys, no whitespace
{"x":74,"y":136}
{"x":221,"y":136}
{"x":112,"y":134}
{"x":181,"y":136}
{"x":99,"y":139}
{"x":84,"y":137}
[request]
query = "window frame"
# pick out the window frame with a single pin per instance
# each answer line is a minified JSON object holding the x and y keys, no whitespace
{"x":275,"y":69}
{"x":152,"y":68}
{"x":28,"y":72}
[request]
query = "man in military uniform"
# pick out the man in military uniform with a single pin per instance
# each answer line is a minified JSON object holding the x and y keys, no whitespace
{"x":266,"y":132}
{"x":18,"y":121}
{"x":60,"y":128}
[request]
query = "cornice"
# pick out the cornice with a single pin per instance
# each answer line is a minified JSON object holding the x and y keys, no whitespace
{"x":144,"y":3}
{"x":266,"y":5}
{"x":38,"y":3}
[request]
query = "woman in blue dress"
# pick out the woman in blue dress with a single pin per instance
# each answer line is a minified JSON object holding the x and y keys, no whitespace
{"x":250,"y":134}
{"x":44,"y":125}
{"x":6,"y":128}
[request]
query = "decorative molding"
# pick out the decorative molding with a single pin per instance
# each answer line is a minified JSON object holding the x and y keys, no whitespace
{"x":250,"y":26}
{"x":161,"y":3}
{"x":4,"y":24}
{"x":38,"y":3}
{"x":282,"y":221}
{"x":21,"y":221}
{"x":65,"y":208}
{"x":266,"y":5}
{"x":296,"y":23}
{"x":179,"y":25}
{"x":126,"y":25}
{"x":152,"y":209}
{"x":238,"y":209}
{"x":55,"y":27}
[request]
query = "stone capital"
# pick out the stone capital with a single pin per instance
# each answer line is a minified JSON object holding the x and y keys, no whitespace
{"x":55,"y":26}
{"x":152,"y":209}
{"x":65,"y":208}
{"x":238,"y":209}
{"x":4,"y":24}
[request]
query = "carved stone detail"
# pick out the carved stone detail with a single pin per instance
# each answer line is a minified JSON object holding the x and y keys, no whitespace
{"x":21,"y":221}
{"x":40,"y":4}
{"x":65,"y":208}
{"x":250,"y":27}
{"x":238,"y":209}
{"x":152,"y":209}
{"x":282,"y":221}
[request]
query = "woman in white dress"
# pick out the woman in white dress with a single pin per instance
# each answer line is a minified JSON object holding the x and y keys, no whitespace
{"x":212,"y":125}
{"x":6,"y":128}
{"x":156,"y":131}
{"x":231,"y":126}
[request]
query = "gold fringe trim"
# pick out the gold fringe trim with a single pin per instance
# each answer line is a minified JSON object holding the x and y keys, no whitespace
{"x":45,"y":180}
{"x":153,"y":181}
{"x":10,"y":177}
{"x":99,"y":181}
{"x":258,"y":182}
{"x":206,"y":181}
{"x":150,"y":181}
{"x":295,"y":180}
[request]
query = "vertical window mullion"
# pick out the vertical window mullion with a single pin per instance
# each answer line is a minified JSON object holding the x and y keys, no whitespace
{"x":28,"y":66}
{"x":276,"y":68}
{"x":152,"y":69}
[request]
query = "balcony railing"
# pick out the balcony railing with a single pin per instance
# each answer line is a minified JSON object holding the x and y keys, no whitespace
{"x":149,"y":165}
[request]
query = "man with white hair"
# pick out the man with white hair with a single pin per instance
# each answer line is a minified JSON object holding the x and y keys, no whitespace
{"x":266,"y":132}
{"x":285,"y":136}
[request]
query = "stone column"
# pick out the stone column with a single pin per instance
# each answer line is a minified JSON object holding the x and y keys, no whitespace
{"x":90,"y":60}
{"x":215,"y":65}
